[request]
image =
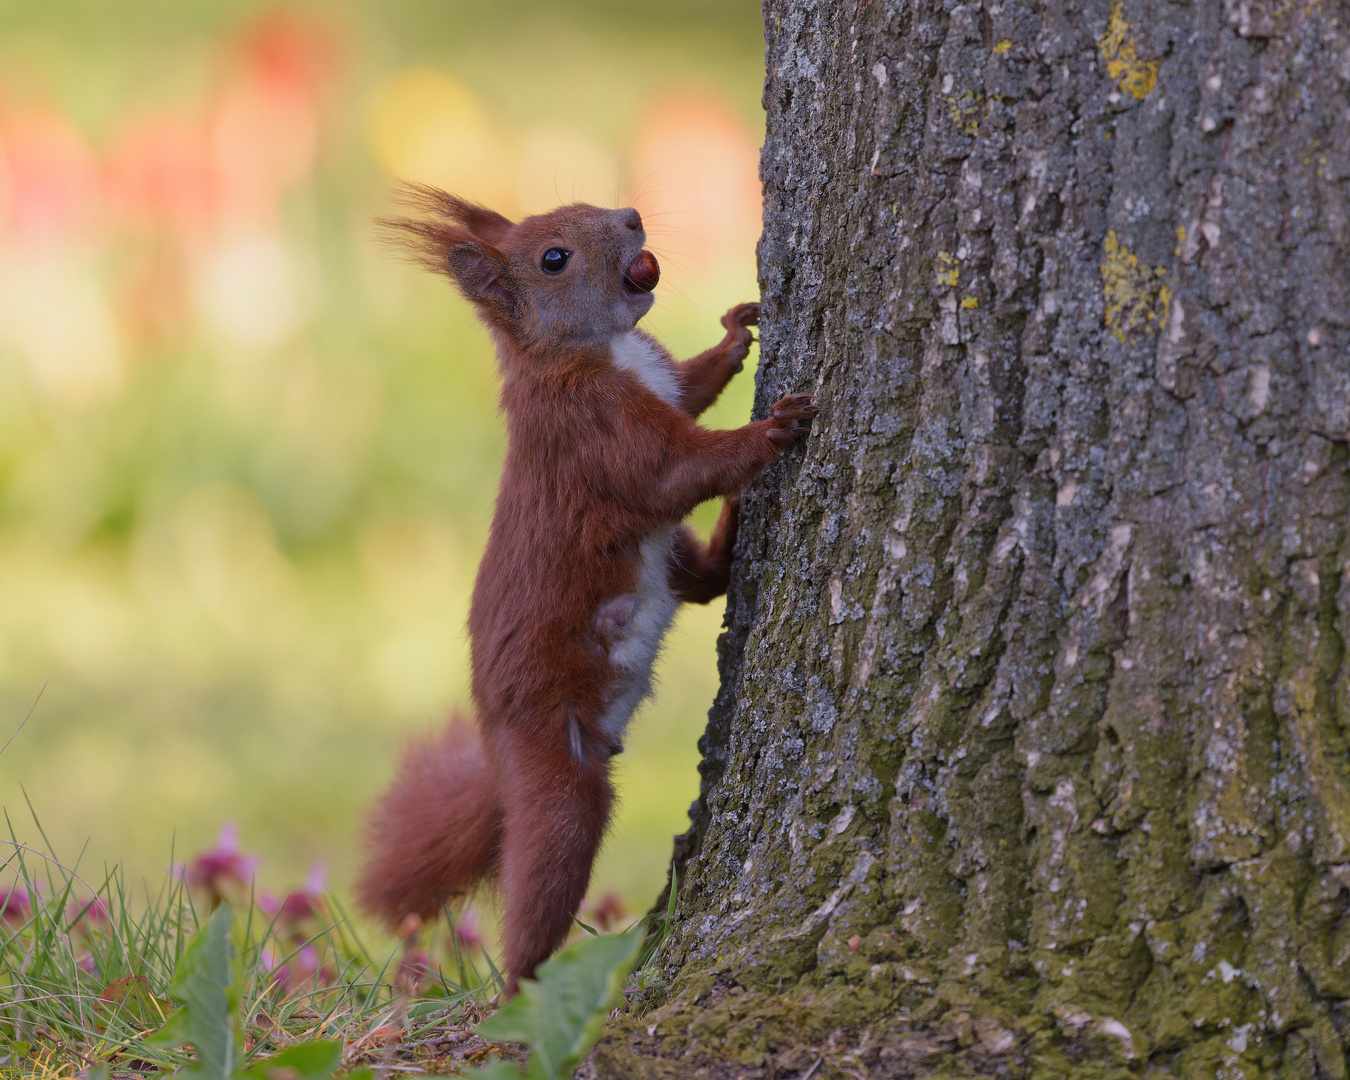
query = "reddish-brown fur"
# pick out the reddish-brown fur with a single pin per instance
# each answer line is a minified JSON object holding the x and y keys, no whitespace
{"x":596,"y":462}
{"x":442,"y":779}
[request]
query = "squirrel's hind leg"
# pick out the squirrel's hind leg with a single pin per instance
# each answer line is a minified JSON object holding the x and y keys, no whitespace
{"x":557,"y":804}
{"x":698,"y":574}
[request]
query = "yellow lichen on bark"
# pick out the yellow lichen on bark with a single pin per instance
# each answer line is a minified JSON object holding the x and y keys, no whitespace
{"x":1133,"y":75}
{"x":1136,"y":296}
{"x":965,"y":111}
{"x":947,"y":269}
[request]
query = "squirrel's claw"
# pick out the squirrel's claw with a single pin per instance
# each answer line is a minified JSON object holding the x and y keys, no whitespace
{"x":791,"y":417}
{"x":741,"y":315}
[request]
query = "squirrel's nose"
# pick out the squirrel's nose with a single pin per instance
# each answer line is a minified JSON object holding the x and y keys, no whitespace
{"x":631,"y":218}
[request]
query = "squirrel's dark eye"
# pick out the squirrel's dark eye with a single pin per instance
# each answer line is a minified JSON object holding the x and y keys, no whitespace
{"x":554,"y":260}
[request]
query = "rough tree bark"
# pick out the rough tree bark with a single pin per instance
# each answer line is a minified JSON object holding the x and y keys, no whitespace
{"x":1031,"y":752}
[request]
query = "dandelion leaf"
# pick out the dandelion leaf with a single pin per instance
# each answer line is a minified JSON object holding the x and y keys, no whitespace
{"x":497,"y":1069}
{"x":560,"y":1013}
{"x":206,"y":985}
{"x":316,"y":1059}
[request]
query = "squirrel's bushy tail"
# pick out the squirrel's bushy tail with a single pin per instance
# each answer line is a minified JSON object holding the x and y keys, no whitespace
{"x":436,"y":831}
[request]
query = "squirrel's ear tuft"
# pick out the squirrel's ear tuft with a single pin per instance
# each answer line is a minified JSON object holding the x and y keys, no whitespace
{"x":479,"y":220}
{"x":456,"y":236}
{"x":483,"y":223}
{"x":484,"y":276}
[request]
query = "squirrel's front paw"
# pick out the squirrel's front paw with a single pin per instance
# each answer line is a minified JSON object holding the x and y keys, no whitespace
{"x":742,"y":315}
{"x":791,"y":417}
{"x":739,"y":339}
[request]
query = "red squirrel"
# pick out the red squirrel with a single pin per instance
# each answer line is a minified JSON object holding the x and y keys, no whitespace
{"x":586,"y":562}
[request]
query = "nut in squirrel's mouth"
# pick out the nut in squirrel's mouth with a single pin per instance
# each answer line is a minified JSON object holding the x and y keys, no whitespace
{"x":642,"y":274}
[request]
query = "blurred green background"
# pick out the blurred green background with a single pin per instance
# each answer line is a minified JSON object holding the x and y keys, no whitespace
{"x":247,"y":455}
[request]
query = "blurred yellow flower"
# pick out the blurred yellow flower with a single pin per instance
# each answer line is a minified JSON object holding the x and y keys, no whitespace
{"x":56,"y":316}
{"x":254,"y":290}
{"x":425,"y":126}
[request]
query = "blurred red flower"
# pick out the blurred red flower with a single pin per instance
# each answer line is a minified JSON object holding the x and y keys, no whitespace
{"x":302,"y":966}
{"x":223,"y":866}
{"x":605,"y":911}
{"x":298,"y":906}
{"x":16,"y":904}
{"x":49,"y":175}
{"x":159,"y":172}
{"x":88,"y":913}
{"x":469,"y":928}
{"x":264,"y":124}
{"x":413,"y":969}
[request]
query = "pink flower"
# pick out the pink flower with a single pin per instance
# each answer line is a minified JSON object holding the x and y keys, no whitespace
{"x":316,"y":881}
{"x":224,"y":865}
{"x":16,"y":904}
{"x":469,"y":928}
{"x":307,"y":961}
{"x":605,"y":911}
{"x":304,"y":966}
{"x":307,"y":903}
{"x":271,"y":956}
{"x":412,"y":970}
{"x":299,"y":906}
{"x":88,"y":914}
{"x":51,"y":176}
{"x":94,"y":909}
{"x":296,"y":908}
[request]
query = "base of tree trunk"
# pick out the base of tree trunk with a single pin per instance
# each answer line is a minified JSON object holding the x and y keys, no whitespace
{"x":730,"y":1032}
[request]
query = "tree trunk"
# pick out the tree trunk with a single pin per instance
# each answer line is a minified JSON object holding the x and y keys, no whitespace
{"x":1030,"y":757}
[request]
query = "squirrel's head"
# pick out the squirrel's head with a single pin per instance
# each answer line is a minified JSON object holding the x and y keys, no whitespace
{"x":575,"y":276}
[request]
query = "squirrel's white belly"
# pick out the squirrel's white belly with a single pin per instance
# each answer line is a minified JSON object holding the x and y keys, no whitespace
{"x":634,"y":626}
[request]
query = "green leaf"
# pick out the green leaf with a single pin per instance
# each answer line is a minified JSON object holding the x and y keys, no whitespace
{"x":496,"y":1069}
{"x":206,"y":984}
{"x":312,"y":1060}
{"x":560,"y":1013}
